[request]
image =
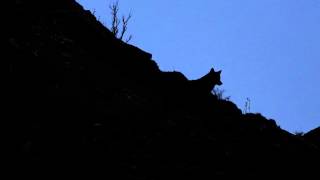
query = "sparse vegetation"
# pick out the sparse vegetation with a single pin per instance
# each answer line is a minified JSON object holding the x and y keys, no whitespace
{"x":299,"y":133}
{"x":219,"y":93}
{"x":247,"y":106}
{"x":119,"y":27}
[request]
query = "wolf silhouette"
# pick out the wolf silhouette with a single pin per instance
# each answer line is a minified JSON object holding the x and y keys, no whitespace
{"x":178,"y":83}
{"x":208,"y":81}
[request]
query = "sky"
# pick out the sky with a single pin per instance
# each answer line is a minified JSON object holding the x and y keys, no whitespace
{"x":268,"y":50}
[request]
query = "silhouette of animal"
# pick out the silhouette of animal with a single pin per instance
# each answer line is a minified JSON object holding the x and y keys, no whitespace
{"x":207,"y":82}
{"x":173,"y":79}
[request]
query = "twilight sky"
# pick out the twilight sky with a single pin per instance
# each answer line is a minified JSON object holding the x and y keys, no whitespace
{"x":268,"y":50}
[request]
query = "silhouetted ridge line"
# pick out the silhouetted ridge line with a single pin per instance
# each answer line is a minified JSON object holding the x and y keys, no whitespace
{"x":78,"y":101}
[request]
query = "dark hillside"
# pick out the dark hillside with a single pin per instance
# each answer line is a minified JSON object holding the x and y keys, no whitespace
{"x":313,"y":136}
{"x":79,"y":101}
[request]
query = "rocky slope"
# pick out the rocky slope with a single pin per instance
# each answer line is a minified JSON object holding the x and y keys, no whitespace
{"x":79,"y":101}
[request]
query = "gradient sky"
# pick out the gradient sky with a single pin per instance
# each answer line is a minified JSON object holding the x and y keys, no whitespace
{"x":268,"y":50}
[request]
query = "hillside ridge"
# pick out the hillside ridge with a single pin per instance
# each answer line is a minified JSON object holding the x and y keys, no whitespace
{"x":78,"y":98}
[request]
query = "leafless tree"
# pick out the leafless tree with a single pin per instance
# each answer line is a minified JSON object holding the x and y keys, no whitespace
{"x":115,"y":22}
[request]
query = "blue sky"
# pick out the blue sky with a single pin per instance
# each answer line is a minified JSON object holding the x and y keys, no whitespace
{"x":268,"y":50}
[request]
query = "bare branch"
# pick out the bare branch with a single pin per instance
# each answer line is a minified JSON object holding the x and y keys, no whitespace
{"x":115,"y":22}
{"x":129,"y":38}
{"x":124,"y":25}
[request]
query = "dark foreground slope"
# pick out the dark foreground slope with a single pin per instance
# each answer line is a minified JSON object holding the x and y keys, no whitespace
{"x":313,"y":136}
{"x":81,"y":102}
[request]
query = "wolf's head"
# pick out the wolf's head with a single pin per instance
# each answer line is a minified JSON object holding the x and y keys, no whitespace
{"x":215,"y":77}
{"x":208,"y":81}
